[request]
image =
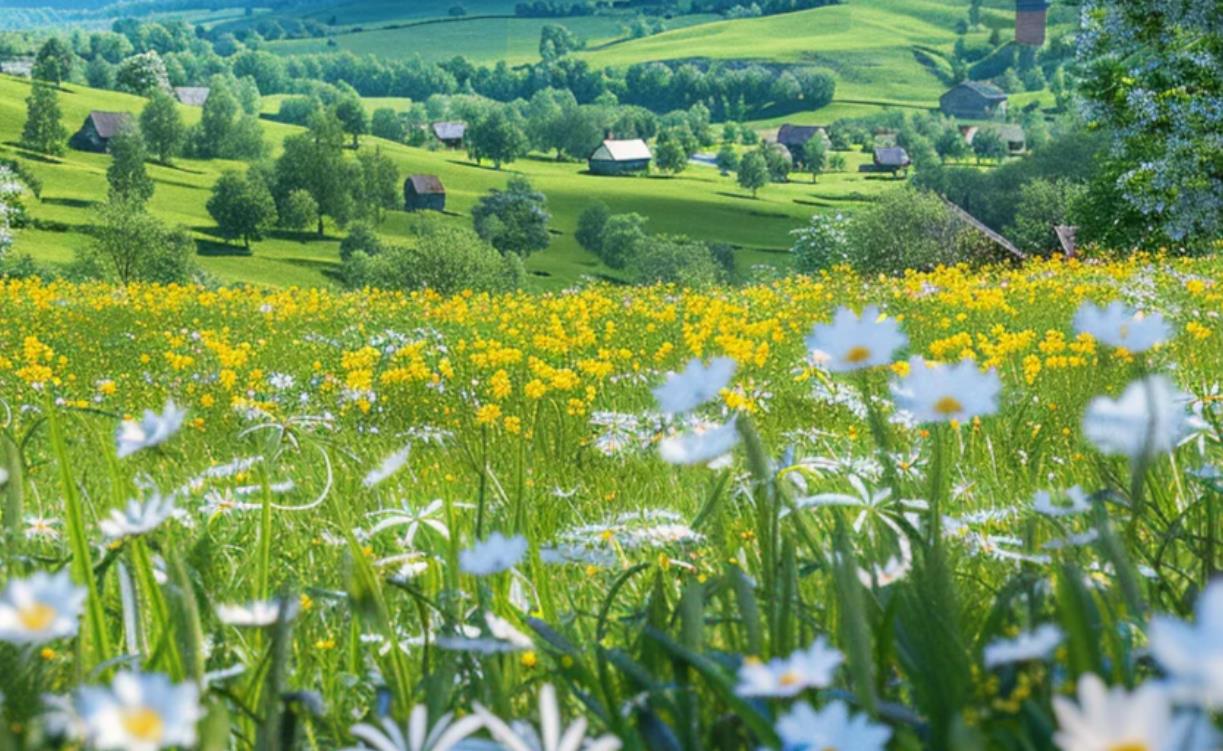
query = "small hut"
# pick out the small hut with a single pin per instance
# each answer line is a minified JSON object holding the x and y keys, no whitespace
{"x":976,"y":100}
{"x":424,"y":192}
{"x":796,"y":137}
{"x":18,"y":66}
{"x":98,"y":129}
{"x":892,"y":159}
{"x":620,"y":157}
{"x":450,"y":133}
{"x":192,"y":96}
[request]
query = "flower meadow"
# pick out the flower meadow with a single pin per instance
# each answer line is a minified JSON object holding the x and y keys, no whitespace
{"x":964,"y":509}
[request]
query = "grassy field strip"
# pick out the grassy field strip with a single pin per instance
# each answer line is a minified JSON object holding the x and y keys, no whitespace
{"x":700,"y":203}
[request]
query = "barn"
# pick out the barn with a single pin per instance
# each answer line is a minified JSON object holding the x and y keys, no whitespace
{"x":975,"y":100}
{"x":424,"y":193}
{"x":192,"y":96}
{"x":450,"y":133}
{"x":795,"y":138}
{"x":891,"y":159}
{"x":98,"y":129}
{"x":620,"y":157}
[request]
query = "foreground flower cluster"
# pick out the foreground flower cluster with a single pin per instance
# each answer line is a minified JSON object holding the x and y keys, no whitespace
{"x":952,"y":510}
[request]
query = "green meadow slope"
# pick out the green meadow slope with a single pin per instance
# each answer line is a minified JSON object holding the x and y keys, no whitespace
{"x":700,"y":202}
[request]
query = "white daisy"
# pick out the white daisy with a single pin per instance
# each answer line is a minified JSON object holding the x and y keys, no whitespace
{"x":494,"y":554}
{"x":40,"y":608}
{"x":137,"y":518}
{"x":1192,"y":654}
{"x":853,"y":342}
{"x":813,"y":667}
{"x":695,"y":447}
{"x":445,"y":734}
{"x":1110,"y":719}
{"x":1148,"y":420}
{"x":1119,"y":326}
{"x":1036,"y":644}
{"x":140,"y":712}
{"x":1043,"y":503}
{"x":389,"y":466}
{"x":42,"y":528}
{"x":684,"y":392}
{"x":152,"y":430}
{"x":941,"y":393}
{"x":550,"y":736}
{"x":832,"y":728}
{"x":413,"y":520}
{"x":258,"y":613}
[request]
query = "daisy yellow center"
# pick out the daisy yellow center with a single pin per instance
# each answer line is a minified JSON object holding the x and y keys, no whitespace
{"x":1129,"y":746}
{"x":788,"y":678}
{"x":36,"y":616}
{"x":858,"y":354}
{"x":948,"y":405}
{"x":143,"y":723}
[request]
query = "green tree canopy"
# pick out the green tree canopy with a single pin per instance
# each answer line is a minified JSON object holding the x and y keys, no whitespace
{"x":128,"y":180}
{"x":162,"y":126}
{"x":753,"y":172}
{"x":514,"y":220}
{"x":44,"y":129}
{"x":242,"y":207}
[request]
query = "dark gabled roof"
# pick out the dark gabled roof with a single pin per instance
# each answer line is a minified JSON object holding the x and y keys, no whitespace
{"x":424,"y":184}
{"x":797,"y":135}
{"x":1031,"y":5}
{"x":110,"y":124}
{"x":984,"y":89}
{"x":891,"y":156}
{"x":194,"y":96}
{"x":449,"y":131}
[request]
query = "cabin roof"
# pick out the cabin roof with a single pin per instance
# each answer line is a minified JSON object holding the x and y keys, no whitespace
{"x":426,"y":184}
{"x":623,"y":151}
{"x":109,"y":124}
{"x":797,"y":135}
{"x":984,"y":89}
{"x":194,"y":96}
{"x":449,"y":131}
{"x":891,"y":156}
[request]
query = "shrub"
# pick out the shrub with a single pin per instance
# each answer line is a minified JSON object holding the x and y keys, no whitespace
{"x":674,"y":260}
{"x":909,"y":229}
{"x":298,"y":211}
{"x":591,"y":224}
{"x":822,"y":244}
{"x":441,"y":257}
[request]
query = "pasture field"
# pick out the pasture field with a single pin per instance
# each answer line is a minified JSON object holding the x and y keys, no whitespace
{"x":699,"y":202}
{"x":484,"y":41}
{"x":348,"y":453}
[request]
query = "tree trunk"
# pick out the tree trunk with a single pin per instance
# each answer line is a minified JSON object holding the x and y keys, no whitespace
{"x":320,"y":224}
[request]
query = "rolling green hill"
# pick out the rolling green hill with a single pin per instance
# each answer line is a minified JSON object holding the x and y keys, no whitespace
{"x":700,"y":202}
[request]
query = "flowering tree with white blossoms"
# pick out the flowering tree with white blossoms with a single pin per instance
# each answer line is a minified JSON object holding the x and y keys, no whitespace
{"x":10,"y":193}
{"x":1155,"y":81}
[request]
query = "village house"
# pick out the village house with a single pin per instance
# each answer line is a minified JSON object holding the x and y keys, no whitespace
{"x":450,"y":133}
{"x":974,"y":100}
{"x":620,"y":157}
{"x":424,"y":192}
{"x":796,"y":137}
{"x":1011,"y":134}
{"x":192,"y":96}
{"x":18,"y":66}
{"x":99,"y":128}
{"x":892,"y":159}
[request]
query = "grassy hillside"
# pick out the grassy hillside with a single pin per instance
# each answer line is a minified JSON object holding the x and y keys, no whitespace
{"x":482,"y":40}
{"x":700,"y":202}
